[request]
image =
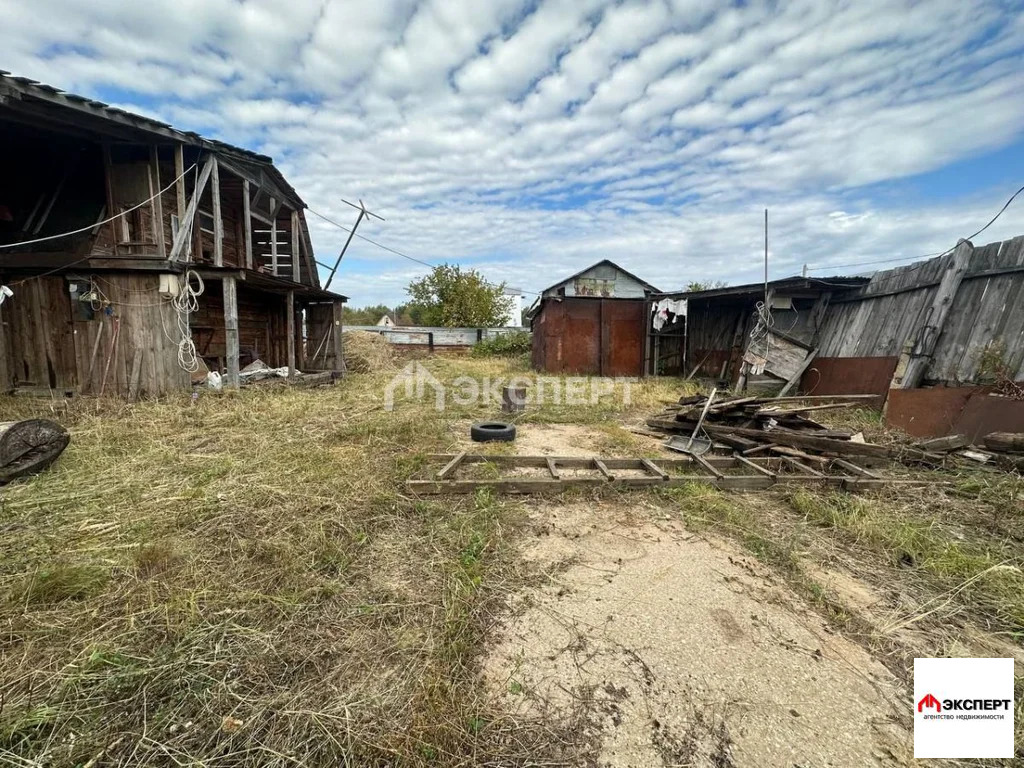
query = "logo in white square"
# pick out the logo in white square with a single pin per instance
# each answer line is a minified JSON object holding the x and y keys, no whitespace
{"x":963,"y":708}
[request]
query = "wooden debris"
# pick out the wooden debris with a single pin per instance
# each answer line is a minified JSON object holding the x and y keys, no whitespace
{"x":978,"y":456}
{"x":941,"y":444}
{"x":756,"y":474}
{"x":1004,"y":442}
{"x":757,"y":425}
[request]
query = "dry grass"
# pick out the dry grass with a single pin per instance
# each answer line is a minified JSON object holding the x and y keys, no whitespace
{"x":367,"y":352}
{"x":241,"y":580}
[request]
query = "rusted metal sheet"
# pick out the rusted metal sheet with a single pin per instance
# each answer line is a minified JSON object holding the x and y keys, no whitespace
{"x":938,"y":411}
{"x":622,"y":336}
{"x":849,"y":376}
{"x":931,"y":412}
{"x":986,"y":413}
{"x":589,"y":336}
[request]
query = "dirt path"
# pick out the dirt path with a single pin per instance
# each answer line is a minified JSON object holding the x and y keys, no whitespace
{"x":670,"y":649}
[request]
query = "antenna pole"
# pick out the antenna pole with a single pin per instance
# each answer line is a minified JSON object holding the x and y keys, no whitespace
{"x":766,"y":258}
{"x":352,"y":233}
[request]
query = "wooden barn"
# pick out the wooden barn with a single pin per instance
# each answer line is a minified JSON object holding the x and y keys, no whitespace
{"x":136,"y":255}
{"x":593,"y":322}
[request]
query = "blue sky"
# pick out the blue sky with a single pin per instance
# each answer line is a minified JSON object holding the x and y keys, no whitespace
{"x":529,"y":139}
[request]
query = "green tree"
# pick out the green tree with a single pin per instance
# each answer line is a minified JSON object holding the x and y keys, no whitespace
{"x":365,"y":315}
{"x":707,"y":285}
{"x":454,"y":298}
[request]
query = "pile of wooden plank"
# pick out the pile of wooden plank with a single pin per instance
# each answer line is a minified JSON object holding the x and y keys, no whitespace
{"x":780,"y":425}
{"x":1001,"y":449}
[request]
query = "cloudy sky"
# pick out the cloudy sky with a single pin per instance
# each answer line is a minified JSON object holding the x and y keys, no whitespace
{"x":530,"y":139}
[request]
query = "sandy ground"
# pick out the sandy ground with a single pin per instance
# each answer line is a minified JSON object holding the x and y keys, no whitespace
{"x":669,"y":649}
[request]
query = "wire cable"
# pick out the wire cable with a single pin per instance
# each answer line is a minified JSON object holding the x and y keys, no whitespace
{"x":394,"y":250}
{"x":94,"y":225}
{"x":926,"y":255}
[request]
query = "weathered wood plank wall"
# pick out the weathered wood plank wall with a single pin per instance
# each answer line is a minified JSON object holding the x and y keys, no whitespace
{"x":52,"y":344}
{"x":988,"y":309}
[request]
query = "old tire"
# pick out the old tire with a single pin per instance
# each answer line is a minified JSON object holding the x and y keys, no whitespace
{"x":27,"y":447}
{"x":492,"y":431}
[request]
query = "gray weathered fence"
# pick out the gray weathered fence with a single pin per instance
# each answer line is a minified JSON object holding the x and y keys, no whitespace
{"x":945,"y":312}
{"x":418,"y":336}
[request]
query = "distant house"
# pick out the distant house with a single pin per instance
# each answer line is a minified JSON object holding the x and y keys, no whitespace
{"x":513,"y":305}
{"x":592,"y":322}
{"x":386,"y":322}
{"x":136,"y":253}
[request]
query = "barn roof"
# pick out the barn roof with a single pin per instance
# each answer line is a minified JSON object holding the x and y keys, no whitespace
{"x":603,"y":262}
{"x":35,"y":101}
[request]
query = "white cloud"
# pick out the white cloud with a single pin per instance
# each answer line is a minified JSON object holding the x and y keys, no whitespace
{"x":532,"y":138}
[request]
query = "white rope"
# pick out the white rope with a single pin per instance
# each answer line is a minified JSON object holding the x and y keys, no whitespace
{"x":98,"y":223}
{"x":761,"y":332}
{"x":185,"y":303}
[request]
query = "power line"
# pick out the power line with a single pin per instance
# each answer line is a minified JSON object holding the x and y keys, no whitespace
{"x":926,"y":255}
{"x":83,"y":229}
{"x":390,"y":249}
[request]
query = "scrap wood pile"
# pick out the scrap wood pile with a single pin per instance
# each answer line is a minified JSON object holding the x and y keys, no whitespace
{"x":780,"y":425}
{"x":1001,"y":449}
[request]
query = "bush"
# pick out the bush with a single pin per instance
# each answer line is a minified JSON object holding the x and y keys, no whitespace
{"x":505,"y":345}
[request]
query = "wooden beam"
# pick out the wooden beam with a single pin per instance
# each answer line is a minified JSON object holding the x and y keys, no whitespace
{"x":231,"y":329}
{"x":158,"y":203}
{"x":450,"y":467}
{"x":291,"y":333}
{"x":915,"y":359}
{"x":296,"y":271}
{"x":190,"y":213}
{"x":552,"y":469}
{"x":115,"y":219}
{"x":654,"y":469}
{"x":218,"y":221}
{"x":817,"y":315}
{"x":798,"y":374}
{"x":247,"y":223}
{"x":337,"y":337}
{"x":273,"y":241}
{"x":6,"y":382}
{"x":179,"y":185}
{"x":603,"y":469}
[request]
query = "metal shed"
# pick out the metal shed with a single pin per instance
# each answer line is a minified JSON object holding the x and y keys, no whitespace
{"x":593,"y":322}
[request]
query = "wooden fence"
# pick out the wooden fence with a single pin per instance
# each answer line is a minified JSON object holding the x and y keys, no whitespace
{"x":944,"y":314}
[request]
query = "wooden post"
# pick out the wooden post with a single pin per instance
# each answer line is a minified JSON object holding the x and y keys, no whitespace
{"x":115,"y":219}
{"x":915,"y":359}
{"x":218,"y":222}
{"x":5,"y":374}
{"x":231,"y":329}
{"x":193,"y":204}
{"x":296,"y":274}
{"x":158,"y":203}
{"x":179,"y":185}
{"x":818,"y":314}
{"x":291,"y":333}
{"x":247,"y":223}
{"x":273,"y":239}
{"x":337,"y":337}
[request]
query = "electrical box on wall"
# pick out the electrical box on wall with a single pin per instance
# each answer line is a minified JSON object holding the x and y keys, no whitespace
{"x":169,"y":286}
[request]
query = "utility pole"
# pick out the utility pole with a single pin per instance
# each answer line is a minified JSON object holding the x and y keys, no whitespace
{"x":766,"y":259}
{"x":352,"y":233}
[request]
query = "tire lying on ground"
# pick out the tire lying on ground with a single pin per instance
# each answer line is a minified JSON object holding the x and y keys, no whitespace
{"x":492,"y":431}
{"x":29,"y":446}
